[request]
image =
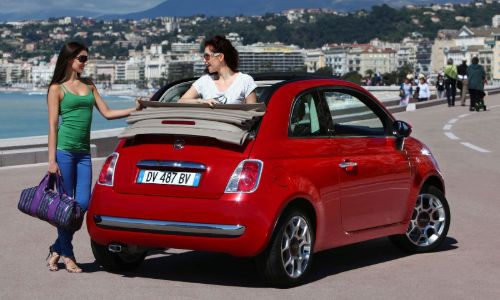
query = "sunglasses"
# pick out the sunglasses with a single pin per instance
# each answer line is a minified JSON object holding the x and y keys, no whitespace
{"x":82,"y":58}
{"x":207,"y":56}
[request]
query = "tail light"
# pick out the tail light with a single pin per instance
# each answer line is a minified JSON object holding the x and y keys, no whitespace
{"x":246,"y":177}
{"x":108,"y":170}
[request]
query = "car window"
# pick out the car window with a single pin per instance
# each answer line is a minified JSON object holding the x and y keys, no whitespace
{"x":351,"y":116}
{"x":174,"y":93}
{"x":305,"y":117}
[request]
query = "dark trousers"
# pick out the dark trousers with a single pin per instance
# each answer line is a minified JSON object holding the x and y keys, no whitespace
{"x":451,"y":90}
{"x":475,"y":95}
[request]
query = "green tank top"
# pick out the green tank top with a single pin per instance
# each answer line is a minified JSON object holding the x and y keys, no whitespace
{"x":76,"y":114}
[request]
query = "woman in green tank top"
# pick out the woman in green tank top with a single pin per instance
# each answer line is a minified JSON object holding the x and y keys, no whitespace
{"x":73,"y":98}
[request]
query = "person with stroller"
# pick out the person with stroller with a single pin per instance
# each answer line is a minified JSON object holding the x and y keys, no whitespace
{"x":476,"y":76}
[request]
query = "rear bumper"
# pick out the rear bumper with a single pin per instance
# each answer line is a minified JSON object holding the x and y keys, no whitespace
{"x":169,"y":227}
{"x":239,"y":225}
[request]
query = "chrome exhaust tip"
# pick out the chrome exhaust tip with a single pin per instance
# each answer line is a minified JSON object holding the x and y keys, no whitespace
{"x":115,"y":248}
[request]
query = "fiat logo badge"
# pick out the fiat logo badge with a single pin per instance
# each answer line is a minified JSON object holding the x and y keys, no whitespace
{"x":179,"y":144}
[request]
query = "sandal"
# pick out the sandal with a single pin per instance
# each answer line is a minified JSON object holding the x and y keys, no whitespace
{"x":70,"y":265}
{"x":52,"y":260}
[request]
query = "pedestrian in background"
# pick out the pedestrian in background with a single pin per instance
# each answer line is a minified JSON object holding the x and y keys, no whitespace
{"x":476,"y":76}
{"x":440,"y":86}
{"x":462,"y":83}
{"x":73,"y":98}
{"x":450,"y":82}
{"x":424,"y":93}
{"x":405,"y":92}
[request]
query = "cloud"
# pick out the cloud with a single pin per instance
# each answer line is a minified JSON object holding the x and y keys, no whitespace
{"x":103,"y":7}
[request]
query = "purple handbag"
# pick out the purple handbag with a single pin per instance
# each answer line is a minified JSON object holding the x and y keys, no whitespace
{"x":45,"y":203}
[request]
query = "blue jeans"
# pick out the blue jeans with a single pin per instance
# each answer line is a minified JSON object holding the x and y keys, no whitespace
{"x":76,"y":170}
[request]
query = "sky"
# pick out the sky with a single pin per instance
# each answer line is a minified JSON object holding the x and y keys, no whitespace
{"x":100,"y":6}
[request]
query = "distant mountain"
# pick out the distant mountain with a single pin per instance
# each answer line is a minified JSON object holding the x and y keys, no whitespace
{"x":181,"y":8}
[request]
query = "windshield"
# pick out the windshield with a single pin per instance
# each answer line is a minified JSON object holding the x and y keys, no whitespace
{"x":174,"y":93}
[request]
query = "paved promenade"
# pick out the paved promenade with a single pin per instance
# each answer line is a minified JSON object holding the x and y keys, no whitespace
{"x":467,"y":147}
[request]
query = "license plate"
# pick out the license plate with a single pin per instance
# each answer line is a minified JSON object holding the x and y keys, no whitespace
{"x":168,"y":177}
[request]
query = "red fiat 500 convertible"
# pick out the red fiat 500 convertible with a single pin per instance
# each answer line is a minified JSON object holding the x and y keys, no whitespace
{"x":319,"y":163}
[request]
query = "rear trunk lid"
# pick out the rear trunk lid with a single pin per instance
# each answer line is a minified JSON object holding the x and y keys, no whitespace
{"x":204,"y":164}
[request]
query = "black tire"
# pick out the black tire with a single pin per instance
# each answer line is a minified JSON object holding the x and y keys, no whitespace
{"x":116,"y":262}
{"x":429,"y":223}
{"x":289,"y":267}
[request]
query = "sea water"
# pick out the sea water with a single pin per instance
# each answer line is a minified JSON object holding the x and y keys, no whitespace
{"x":24,"y":114}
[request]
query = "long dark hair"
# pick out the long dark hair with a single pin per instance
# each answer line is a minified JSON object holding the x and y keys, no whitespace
{"x":69,"y":51}
{"x":220,"y":44}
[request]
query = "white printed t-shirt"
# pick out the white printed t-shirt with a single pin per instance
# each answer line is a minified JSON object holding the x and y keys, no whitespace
{"x":236,"y":93}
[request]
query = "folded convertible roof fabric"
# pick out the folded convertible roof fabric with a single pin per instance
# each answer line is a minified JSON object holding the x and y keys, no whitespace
{"x":229,"y":123}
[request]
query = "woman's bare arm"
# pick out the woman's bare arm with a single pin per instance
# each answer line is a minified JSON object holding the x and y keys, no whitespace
{"x":53,"y":101}
{"x":109,"y":113}
{"x":192,"y":96}
{"x":251,"y":99}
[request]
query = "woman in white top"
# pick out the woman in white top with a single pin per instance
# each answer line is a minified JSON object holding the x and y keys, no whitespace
{"x":424,"y":93}
{"x":224,"y":84}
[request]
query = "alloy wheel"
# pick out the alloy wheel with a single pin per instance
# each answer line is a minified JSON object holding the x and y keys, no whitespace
{"x":296,"y":246}
{"x":427,"y":222}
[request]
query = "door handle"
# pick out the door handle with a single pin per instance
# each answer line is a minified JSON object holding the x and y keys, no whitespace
{"x":348,"y":165}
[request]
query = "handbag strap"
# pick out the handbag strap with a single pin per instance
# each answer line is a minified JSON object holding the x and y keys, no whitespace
{"x":45,"y":181}
{"x":54,"y":179}
{"x":60,"y":185}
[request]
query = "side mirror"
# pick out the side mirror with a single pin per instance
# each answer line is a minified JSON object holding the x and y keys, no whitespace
{"x":401,"y":129}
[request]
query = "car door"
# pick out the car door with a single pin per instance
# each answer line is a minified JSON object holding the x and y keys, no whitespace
{"x":374,"y":175}
{"x":309,"y":152}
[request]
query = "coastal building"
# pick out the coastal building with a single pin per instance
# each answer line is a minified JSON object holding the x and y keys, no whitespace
{"x":105,"y":70}
{"x":42,"y":74}
{"x":180,"y":70}
{"x":423,"y":55}
{"x":235,"y":39}
{"x":381,"y":60}
{"x":314,"y":60}
{"x":444,"y":40}
{"x":185,"y":48}
{"x":354,"y":58}
{"x":134,"y":69}
{"x":376,"y":57}
{"x":199,"y":68}
{"x":155,"y":68}
{"x":495,"y":69}
{"x":170,"y":24}
{"x":406,"y":55}
{"x":16,"y":71}
{"x":261,"y":57}
{"x":120,"y":71}
{"x":336,"y":58}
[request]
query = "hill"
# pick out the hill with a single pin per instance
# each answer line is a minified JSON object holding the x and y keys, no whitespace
{"x":210,"y":8}
{"x":260,"y":7}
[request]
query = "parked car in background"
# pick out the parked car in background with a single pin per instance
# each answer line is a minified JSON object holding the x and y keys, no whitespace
{"x":317,"y":164}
